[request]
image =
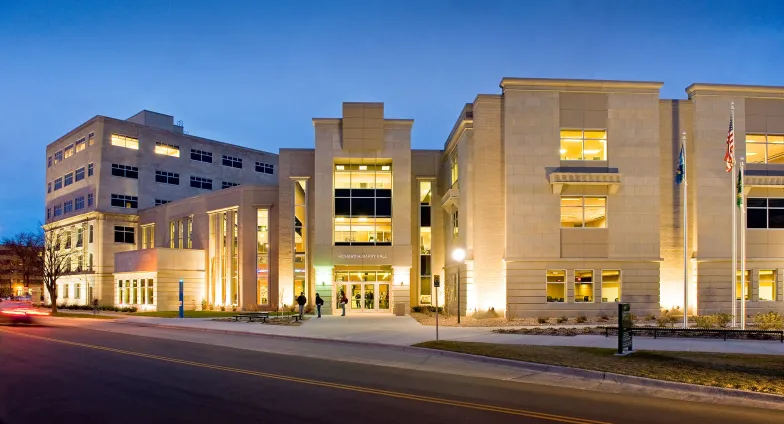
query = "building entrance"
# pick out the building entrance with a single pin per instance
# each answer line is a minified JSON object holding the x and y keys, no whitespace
{"x":367,"y":291}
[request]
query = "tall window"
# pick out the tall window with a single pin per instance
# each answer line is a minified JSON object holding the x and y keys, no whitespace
{"x":79,"y":174}
{"x":453,"y":170}
{"x":123,"y":201}
{"x":202,"y":183}
{"x":232,"y":161}
{"x":363,"y":204}
{"x":49,"y":187}
{"x":201,"y":156}
{"x":765,"y":148}
{"x":300,"y":237}
{"x":79,"y":236}
{"x":80,"y":145}
{"x":150,"y":292}
{"x":425,"y":243}
{"x":767,"y":284}
{"x":583,"y":144}
{"x":68,"y":206}
{"x":90,"y":235}
{"x":167,"y":177}
{"x":583,"y":211}
{"x":455,"y":224}
{"x":556,"y":286}
{"x":123,"y":234}
{"x":58,"y":210}
{"x":58,"y":157}
{"x":125,"y":171}
{"x":223,"y":258}
{"x":68,"y":179}
{"x":583,"y":285}
{"x":262,"y":256}
{"x":181,"y":233}
{"x":762,"y":212}
{"x":167,"y":149}
{"x":58,"y":183}
{"x":125,"y":141}
{"x":90,"y":139}
{"x":68,"y":151}
{"x":67,"y":235}
{"x":89,"y":169}
{"x":746,"y":285}
{"x":90,"y":199}
{"x":49,"y":162}
{"x":148,"y":236}
{"x":611,"y":285}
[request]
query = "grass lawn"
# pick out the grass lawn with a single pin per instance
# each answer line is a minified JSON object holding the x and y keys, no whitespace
{"x":756,"y":373}
{"x":69,"y":315}
{"x":197,"y":314}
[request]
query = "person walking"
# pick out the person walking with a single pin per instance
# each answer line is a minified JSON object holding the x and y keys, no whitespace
{"x":301,"y":301}
{"x":95,"y":306}
{"x":343,"y":301}
{"x":319,"y":302}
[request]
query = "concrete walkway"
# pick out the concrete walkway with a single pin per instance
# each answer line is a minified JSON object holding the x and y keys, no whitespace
{"x":405,"y":331}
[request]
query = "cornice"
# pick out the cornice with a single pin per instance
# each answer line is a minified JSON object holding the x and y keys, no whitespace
{"x":705,"y":89}
{"x":547,"y":84}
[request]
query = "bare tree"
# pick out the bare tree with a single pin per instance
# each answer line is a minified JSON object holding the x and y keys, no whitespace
{"x":27,"y":247}
{"x":55,"y":260}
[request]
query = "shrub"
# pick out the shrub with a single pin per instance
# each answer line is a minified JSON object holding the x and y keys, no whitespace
{"x":562,"y":320}
{"x":650,"y":317}
{"x":722,"y":319}
{"x":581,"y":319}
{"x":666,"y":320}
{"x":204,"y":304}
{"x":707,"y":321}
{"x":769,"y":321}
{"x":423,"y":309}
{"x":542,"y":320}
{"x":223,"y":308}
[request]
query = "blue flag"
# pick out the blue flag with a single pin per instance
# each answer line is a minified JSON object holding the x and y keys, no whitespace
{"x":680,"y":172}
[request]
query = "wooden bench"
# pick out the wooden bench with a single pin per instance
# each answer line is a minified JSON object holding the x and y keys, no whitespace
{"x":251,"y":316}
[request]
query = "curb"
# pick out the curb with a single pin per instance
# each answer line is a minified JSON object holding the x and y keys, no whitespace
{"x":529,"y":366}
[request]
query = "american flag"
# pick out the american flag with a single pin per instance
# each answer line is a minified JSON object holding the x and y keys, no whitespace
{"x":729,"y":155}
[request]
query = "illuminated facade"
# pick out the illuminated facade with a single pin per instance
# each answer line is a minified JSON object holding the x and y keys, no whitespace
{"x":560,"y":192}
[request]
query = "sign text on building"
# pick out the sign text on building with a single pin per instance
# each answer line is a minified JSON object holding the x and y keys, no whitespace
{"x":361,"y":256}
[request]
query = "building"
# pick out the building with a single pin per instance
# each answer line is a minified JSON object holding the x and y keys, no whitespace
{"x":561,"y":193}
{"x":12,"y":282}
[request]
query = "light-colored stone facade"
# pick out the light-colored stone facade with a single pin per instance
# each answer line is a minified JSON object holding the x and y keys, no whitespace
{"x":497,"y":191}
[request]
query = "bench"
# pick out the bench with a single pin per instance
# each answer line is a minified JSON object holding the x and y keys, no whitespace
{"x":715,"y":332}
{"x":251,"y":316}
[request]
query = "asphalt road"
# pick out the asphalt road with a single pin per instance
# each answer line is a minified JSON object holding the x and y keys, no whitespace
{"x":58,"y":374}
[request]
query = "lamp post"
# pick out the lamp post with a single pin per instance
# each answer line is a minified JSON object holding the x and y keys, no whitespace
{"x":458,"y":255}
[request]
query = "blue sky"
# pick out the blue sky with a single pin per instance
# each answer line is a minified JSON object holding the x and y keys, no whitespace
{"x":255,"y":73}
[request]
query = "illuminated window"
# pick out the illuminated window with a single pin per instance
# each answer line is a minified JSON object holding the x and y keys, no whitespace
{"x":767,"y":284}
{"x":583,"y":285}
{"x":69,"y":151}
{"x":746,"y":286}
{"x":148,"y":236}
{"x":301,"y":240}
{"x":363,"y":204}
{"x":79,"y":236}
{"x":262,"y":256}
{"x":611,"y":285}
{"x":181,"y":233}
{"x":167,"y":149}
{"x":425,"y":245}
{"x":125,"y":141}
{"x":583,"y":145}
{"x":556,"y":286}
{"x":453,"y":169}
{"x":81,"y":144}
{"x":583,"y":211}
{"x":90,"y":139}
{"x":765,"y":148}
{"x":455,"y":224}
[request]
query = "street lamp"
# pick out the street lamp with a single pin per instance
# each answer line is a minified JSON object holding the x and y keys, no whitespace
{"x":458,"y":255}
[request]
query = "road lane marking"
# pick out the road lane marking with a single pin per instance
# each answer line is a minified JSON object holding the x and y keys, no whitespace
{"x":367,"y":390}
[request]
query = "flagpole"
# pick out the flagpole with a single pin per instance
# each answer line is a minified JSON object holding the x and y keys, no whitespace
{"x":685,"y":238}
{"x":734,"y":228}
{"x":742,"y":246}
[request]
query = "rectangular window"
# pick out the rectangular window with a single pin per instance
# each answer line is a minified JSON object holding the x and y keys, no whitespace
{"x":167,"y":149}
{"x":49,"y":162}
{"x":125,"y":171}
{"x":556,"y":286}
{"x":301,"y":240}
{"x":125,"y":141}
{"x":79,"y":236}
{"x":58,"y":157}
{"x":123,"y":201}
{"x":68,"y":206}
{"x":48,"y":213}
{"x":264,"y":168}
{"x":90,"y":235}
{"x":232,"y":161}
{"x":123,"y":234}
{"x":765,"y":148}
{"x":58,"y":210}
{"x":79,"y":203}
{"x":148,"y":236}
{"x":89,"y":200}
{"x":79,"y":174}
{"x":201,"y":156}
{"x":159,"y":202}
{"x":583,"y":285}
{"x":453,"y":170}
{"x":69,"y":151}
{"x":262,"y":256}
{"x":227,"y":184}
{"x":78,"y":289}
{"x":150,"y":291}
{"x":363,"y":204}
{"x":455,"y":224}
{"x":81,"y":144}
{"x":583,"y":211}
{"x":181,"y":233}
{"x":167,"y":177}
{"x":767,"y":284}
{"x":583,"y":144}
{"x":90,"y":139}
{"x":67,"y":236}
{"x":202,"y":183}
{"x":65,"y":290}
{"x":89,"y":170}
{"x":49,"y":187}
{"x":68,"y":179}
{"x":746,"y":285}
{"x":425,"y":244}
{"x":764,"y":213}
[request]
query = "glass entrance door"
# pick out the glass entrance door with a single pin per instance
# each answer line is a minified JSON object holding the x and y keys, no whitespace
{"x":367,"y":291}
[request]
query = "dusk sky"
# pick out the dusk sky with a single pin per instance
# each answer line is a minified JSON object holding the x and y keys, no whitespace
{"x":255,"y":73}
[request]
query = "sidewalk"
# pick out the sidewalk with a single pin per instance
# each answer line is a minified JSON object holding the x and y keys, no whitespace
{"x":405,"y":331}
